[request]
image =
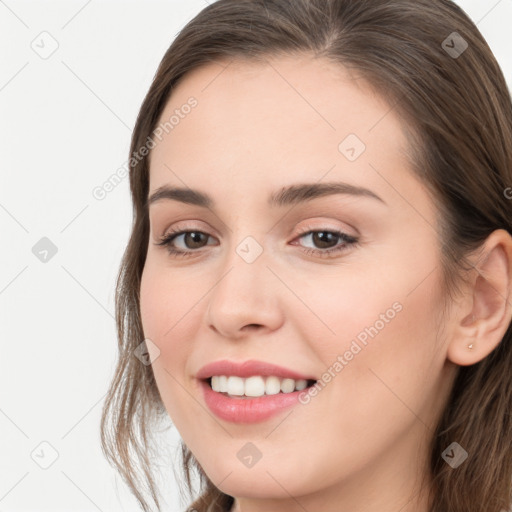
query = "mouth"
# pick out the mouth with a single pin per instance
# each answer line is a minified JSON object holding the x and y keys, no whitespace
{"x":251,"y":391}
{"x":253,"y":399}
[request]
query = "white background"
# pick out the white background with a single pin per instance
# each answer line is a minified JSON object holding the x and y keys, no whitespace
{"x":65,"y":126}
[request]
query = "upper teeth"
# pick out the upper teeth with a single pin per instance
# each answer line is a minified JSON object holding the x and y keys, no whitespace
{"x":255,"y":386}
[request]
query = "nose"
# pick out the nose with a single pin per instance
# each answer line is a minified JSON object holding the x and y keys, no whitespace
{"x":245,"y":299}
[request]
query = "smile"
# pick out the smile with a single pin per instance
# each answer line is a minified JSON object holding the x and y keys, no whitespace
{"x":256,"y":386}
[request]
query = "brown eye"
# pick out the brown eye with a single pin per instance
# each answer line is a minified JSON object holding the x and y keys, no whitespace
{"x":184,"y":243}
{"x":194,"y":239}
{"x":324,"y":239}
{"x":326,"y":243}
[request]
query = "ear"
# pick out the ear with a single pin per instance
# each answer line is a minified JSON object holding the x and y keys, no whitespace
{"x":486,"y":313}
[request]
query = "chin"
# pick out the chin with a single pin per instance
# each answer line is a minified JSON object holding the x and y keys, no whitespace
{"x":263,"y":481}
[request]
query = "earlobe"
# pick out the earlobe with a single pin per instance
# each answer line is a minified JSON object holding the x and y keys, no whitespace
{"x":488,"y":314}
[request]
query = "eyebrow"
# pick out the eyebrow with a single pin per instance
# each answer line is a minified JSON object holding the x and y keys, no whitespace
{"x":290,"y":195}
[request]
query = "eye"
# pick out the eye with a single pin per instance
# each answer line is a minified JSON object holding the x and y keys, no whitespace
{"x":192,"y":240}
{"x":327,"y":241}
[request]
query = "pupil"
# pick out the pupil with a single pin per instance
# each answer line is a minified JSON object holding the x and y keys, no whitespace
{"x":322,"y":237}
{"x":195,"y":237}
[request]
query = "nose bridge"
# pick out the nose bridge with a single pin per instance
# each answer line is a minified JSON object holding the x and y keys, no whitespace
{"x":244,"y":272}
{"x":244,"y":293}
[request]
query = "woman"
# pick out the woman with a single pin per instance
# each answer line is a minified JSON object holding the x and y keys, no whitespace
{"x":320,"y":266}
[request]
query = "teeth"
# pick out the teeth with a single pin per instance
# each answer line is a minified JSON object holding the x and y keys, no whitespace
{"x":301,"y":384}
{"x":255,"y":386}
{"x":223,"y":383}
{"x":236,"y":386}
{"x":272,"y":386}
{"x":287,"y":385}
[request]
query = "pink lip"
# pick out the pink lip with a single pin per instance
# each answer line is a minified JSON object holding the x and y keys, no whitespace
{"x":248,"y":369}
{"x":247,"y":409}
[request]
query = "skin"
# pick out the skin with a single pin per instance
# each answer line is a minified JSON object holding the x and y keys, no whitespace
{"x":361,"y":443}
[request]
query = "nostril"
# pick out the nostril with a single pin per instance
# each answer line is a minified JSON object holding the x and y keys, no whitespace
{"x":251,"y":327}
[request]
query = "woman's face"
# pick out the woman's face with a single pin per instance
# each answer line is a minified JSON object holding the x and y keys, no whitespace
{"x":258,"y":283}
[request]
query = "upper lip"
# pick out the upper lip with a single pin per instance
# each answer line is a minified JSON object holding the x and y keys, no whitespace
{"x":248,"y":369}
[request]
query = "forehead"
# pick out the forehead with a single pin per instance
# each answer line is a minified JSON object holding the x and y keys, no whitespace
{"x":268,"y":120}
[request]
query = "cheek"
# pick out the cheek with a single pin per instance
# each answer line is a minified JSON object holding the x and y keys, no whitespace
{"x":166,"y":305}
{"x":166,"y":318}
{"x":170,"y":315}
{"x":381,"y":305}
{"x":381,"y":364}
{"x":375,"y":316}
{"x":381,"y":357}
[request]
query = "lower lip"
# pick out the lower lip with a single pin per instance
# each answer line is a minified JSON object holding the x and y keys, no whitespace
{"x":247,"y":410}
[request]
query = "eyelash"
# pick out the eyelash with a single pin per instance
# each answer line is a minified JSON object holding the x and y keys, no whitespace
{"x":348,"y":241}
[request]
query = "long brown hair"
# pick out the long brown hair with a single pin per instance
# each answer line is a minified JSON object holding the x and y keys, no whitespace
{"x":454,"y":102}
